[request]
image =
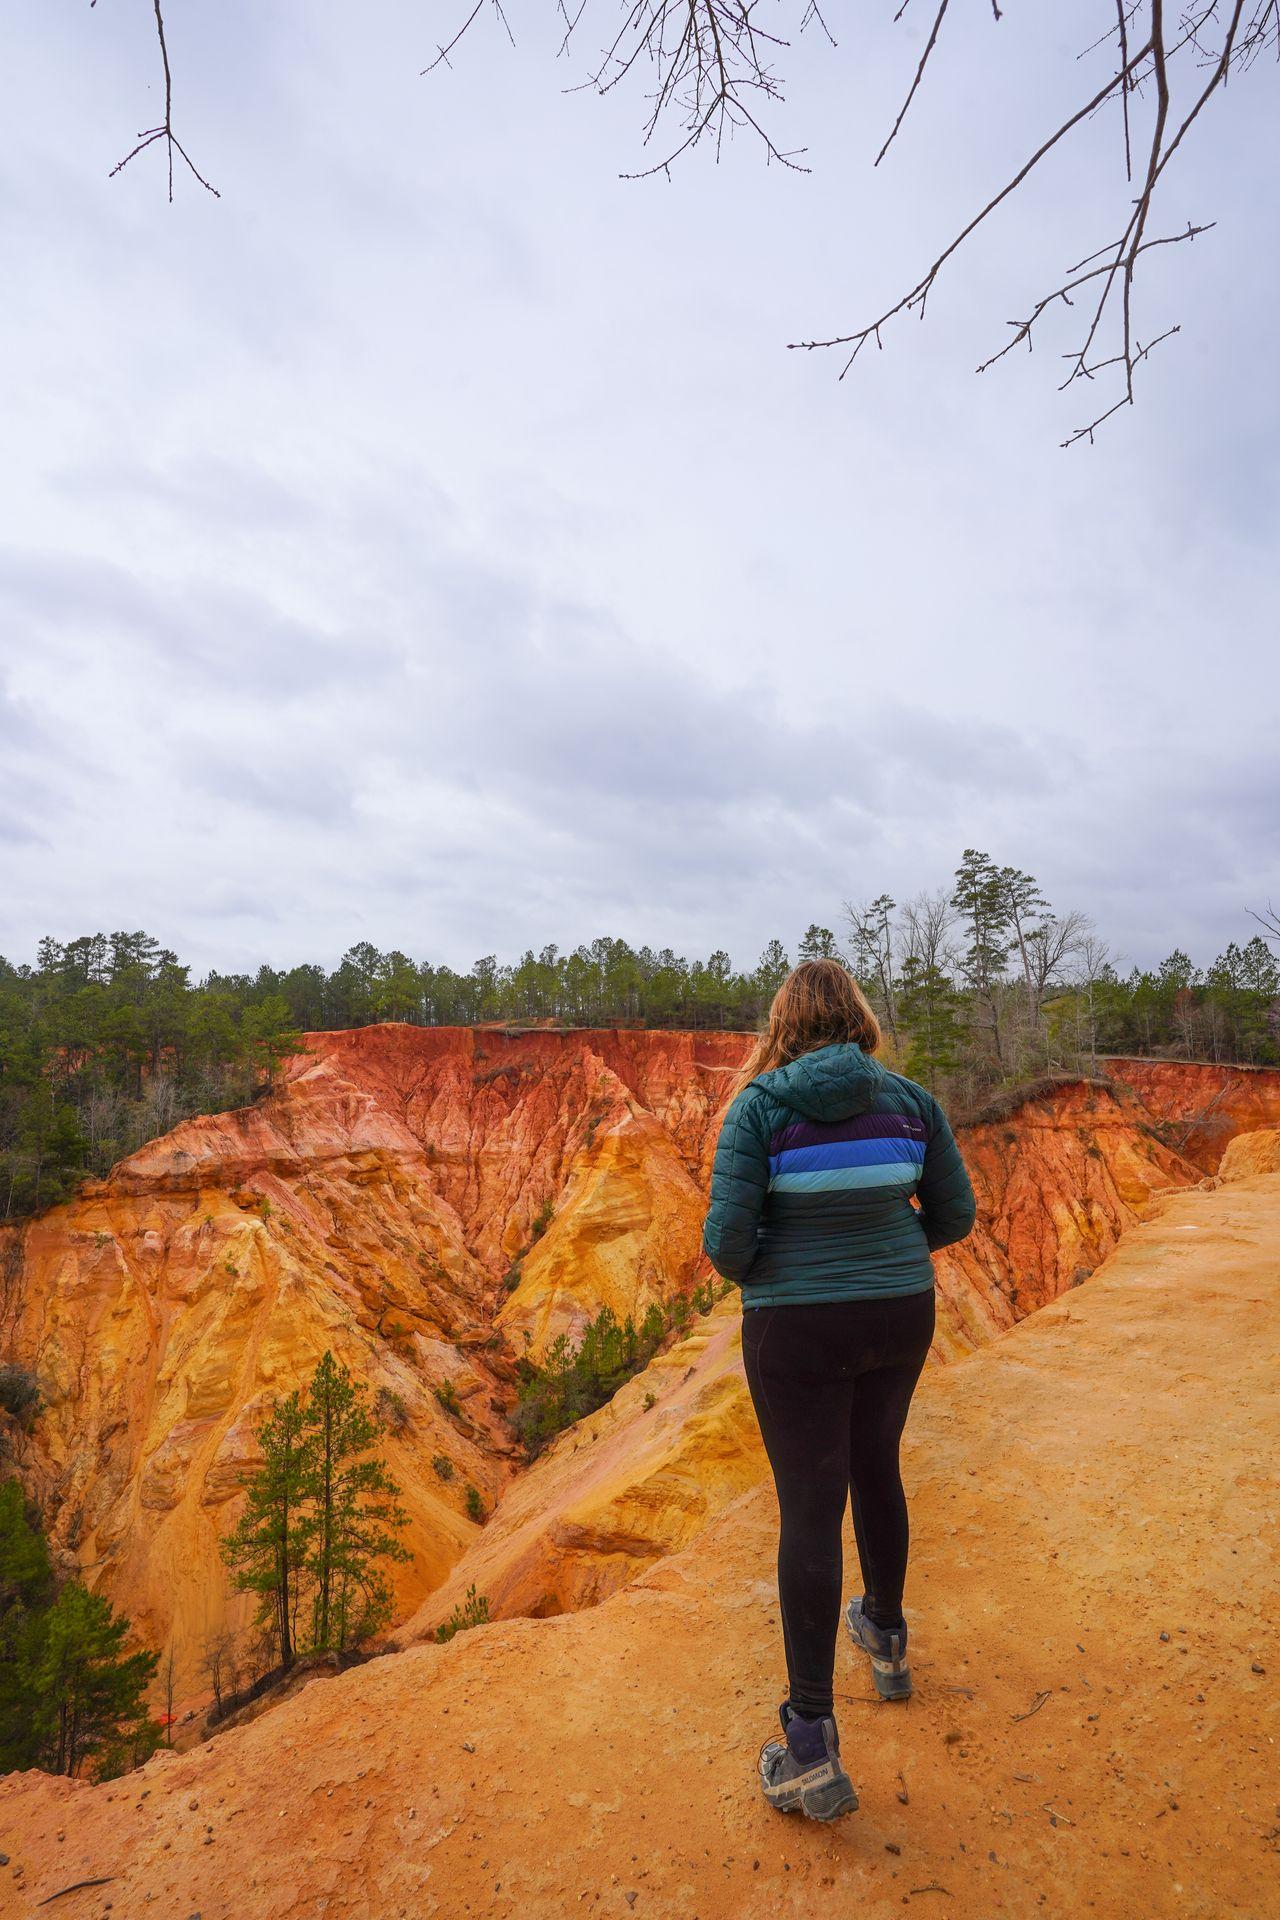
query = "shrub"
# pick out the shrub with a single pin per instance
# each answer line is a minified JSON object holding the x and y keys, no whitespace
{"x":511,"y":1278}
{"x":474,"y":1612}
{"x":391,"y":1409}
{"x":546,"y":1214}
{"x":650,"y":1400}
{"x":572,"y":1383}
{"x":443,"y":1465}
{"x":447,"y":1395}
{"x":19,"y":1393}
{"x":475,"y":1503}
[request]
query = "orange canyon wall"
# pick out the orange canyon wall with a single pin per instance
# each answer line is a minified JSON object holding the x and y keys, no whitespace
{"x":376,"y":1204}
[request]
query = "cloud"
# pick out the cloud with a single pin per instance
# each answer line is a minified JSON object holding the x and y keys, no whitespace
{"x":432,"y":542}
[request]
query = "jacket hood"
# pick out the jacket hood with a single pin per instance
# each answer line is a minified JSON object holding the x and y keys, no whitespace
{"x":831,"y":1083}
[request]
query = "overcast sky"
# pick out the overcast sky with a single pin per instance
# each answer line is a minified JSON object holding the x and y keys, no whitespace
{"x":431,"y":541}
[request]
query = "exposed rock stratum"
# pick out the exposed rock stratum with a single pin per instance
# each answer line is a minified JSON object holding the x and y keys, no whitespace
{"x":432,"y":1203}
{"x":1095,"y":1650}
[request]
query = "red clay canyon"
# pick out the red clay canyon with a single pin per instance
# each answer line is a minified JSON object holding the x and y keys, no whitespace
{"x":387,"y":1202}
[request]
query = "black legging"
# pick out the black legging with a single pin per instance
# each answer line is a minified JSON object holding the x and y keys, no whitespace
{"x":831,"y":1383}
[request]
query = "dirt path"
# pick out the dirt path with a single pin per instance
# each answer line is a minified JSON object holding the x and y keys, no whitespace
{"x":1094,"y":1730}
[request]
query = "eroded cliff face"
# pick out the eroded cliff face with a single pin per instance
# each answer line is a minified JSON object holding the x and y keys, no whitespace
{"x":372,"y":1205}
{"x":1250,"y":1154}
{"x":1084,"y":1737}
{"x":380,"y":1203}
{"x":1199,"y":1107}
{"x":1058,"y":1182}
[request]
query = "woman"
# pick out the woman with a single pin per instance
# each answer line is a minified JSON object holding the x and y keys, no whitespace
{"x":820,"y":1155}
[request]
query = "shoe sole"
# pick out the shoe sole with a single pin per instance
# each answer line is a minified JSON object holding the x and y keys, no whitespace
{"x":892,"y":1677}
{"x":823,"y":1793}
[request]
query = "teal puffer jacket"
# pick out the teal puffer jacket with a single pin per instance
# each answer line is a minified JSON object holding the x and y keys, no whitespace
{"x":813,"y":1179}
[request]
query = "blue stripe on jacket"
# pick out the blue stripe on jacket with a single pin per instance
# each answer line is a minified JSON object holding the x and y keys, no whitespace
{"x":847,"y":1153}
{"x":895,"y":1173}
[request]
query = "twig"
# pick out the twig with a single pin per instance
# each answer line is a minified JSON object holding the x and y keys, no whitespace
{"x":930,"y":44}
{"x":165,"y":130}
{"x":1035,"y":1706}
{"x":1243,"y":37}
{"x":75,"y":1887}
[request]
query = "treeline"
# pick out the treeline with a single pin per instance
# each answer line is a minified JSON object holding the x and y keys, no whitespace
{"x":986,"y":984}
{"x":106,"y":1041}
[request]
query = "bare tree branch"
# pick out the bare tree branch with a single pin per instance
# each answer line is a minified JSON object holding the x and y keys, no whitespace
{"x":165,"y":130}
{"x":929,"y":46}
{"x":1241,"y":39}
{"x":713,"y":74}
{"x":1269,"y":922}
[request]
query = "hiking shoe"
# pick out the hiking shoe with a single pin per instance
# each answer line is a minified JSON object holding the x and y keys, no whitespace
{"x":804,"y":1771}
{"x":887,"y":1647}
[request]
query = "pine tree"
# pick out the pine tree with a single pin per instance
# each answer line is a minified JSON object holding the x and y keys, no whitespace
{"x":819,"y":943}
{"x":873,"y":942}
{"x":90,"y":1695}
{"x":26,"y":1589}
{"x":772,"y":968}
{"x":1024,"y":900}
{"x":928,"y":1005}
{"x":981,"y":899}
{"x":352,"y":1503}
{"x":265,"y":1550}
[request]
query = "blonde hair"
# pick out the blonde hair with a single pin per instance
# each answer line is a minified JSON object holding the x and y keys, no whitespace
{"x":819,"y":1004}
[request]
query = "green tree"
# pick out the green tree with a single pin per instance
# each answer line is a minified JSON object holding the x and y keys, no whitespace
{"x":981,"y":899}
{"x":772,"y":968}
{"x":26,"y":1590}
{"x":1023,"y":902}
{"x":90,"y":1695}
{"x":929,"y":1008}
{"x":819,"y":943}
{"x":352,"y":1507}
{"x":265,"y":1549}
{"x":268,"y":1036}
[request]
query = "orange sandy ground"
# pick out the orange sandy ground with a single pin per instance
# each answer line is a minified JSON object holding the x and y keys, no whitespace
{"x":1100,"y":1478}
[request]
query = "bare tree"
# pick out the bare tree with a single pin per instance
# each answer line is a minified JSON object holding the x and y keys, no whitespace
{"x":927,"y":920}
{"x":1270,"y":924}
{"x":1057,"y":939}
{"x":712,"y":67}
{"x":1023,"y":899}
{"x":168,"y":1697}
{"x":1093,"y":961}
{"x":872,"y":931}
{"x":220,"y":1664}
